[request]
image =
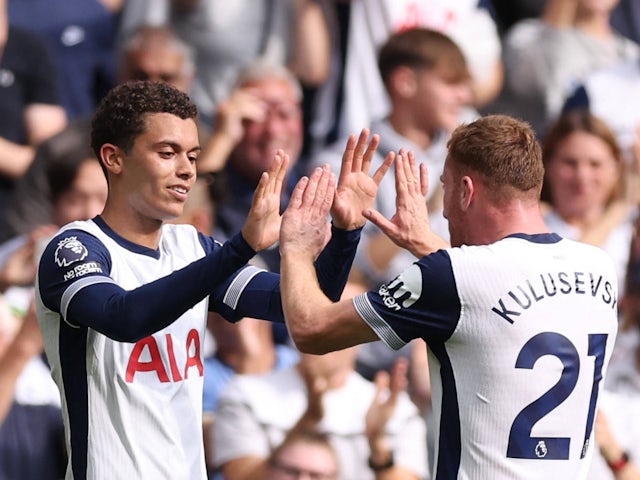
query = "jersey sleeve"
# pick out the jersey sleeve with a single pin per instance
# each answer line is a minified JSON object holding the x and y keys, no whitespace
{"x":97,"y":302}
{"x":255,"y":292}
{"x":422,"y":302}
{"x":72,"y":260}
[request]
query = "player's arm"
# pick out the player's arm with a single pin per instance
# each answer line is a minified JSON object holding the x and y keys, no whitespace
{"x":254,"y":292}
{"x":84,"y":294}
{"x":316,"y":324}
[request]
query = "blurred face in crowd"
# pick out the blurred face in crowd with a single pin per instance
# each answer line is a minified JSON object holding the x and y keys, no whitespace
{"x":280,"y":128}
{"x":439,"y":100}
{"x":86,"y":197}
{"x":306,"y":461}
{"x":582,"y":176}
{"x":158,"y":62}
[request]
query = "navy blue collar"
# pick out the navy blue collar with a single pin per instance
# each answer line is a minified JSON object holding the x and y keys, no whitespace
{"x":123,"y":242}
{"x":537,"y":237}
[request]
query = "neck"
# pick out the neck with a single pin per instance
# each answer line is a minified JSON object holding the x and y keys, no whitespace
{"x":595,"y":24}
{"x":500,"y":222}
{"x":133,"y":227}
{"x":403,"y":124}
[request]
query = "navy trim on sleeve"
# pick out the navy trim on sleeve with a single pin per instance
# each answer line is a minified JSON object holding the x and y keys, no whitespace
{"x":98,"y":306}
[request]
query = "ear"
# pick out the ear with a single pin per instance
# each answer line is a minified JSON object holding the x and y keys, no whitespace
{"x":111,"y":157}
{"x":403,"y":82}
{"x":468,"y":191}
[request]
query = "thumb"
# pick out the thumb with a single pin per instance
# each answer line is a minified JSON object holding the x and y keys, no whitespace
{"x":380,"y":220}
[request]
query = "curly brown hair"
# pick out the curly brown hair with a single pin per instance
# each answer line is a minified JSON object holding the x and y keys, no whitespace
{"x":120,"y":117}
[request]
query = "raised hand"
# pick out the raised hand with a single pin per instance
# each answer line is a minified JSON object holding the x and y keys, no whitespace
{"x":409,"y":227}
{"x":305,"y":227}
{"x":357,"y":190}
{"x":262,"y":227}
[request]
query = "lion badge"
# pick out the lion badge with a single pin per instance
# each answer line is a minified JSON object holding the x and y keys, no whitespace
{"x":70,"y":250}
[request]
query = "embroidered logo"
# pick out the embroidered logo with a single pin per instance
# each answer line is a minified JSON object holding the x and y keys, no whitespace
{"x":70,"y":250}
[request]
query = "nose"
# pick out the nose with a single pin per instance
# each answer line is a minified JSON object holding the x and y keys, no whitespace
{"x":186,"y":168}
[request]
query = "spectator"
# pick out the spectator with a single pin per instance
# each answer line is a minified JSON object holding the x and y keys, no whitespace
{"x":29,"y":94}
{"x":323,"y":393}
{"x":355,"y":95}
{"x":428,"y":83}
{"x":613,"y":94}
{"x":246,"y":347}
{"x":263,"y":114}
{"x":31,"y":432}
{"x":229,"y":36}
{"x":304,"y":453}
{"x":617,"y":435}
{"x":81,"y":35}
{"x":154,"y":53}
{"x":546,"y":58}
{"x":584,"y":186}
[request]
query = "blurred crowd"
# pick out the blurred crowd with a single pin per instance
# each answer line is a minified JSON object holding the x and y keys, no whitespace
{"x":302,"y":75}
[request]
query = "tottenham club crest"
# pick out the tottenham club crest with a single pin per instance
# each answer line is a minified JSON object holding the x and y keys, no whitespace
{"x":70,"y":250}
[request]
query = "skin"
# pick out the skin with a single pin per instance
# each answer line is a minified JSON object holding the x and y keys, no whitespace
{"x":277,"y":126}
{"x":315,"y":323}
{"x":150,"y":183}
{"x":306,"y":458}
{"x":87,"y":195}
{"x":582,"y":174}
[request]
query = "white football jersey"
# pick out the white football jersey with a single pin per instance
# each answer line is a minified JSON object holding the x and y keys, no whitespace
{"x":519,"y":335}
{"x":131,"y":410}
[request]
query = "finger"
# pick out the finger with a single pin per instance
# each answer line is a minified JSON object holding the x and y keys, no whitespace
{"x":261,"y":188}
{"x":330,"y":194}
{"x":281,"y":173}
{"x":386,"y":226}
{"x":347,"y":157}
{"x":321,"y":191}
{"x":273,"y":170}
{"x":399,"y":376}
{"x":309,"y":195}
{"x":400,"y":174}
{"x":424,"y":180}
{"x":384,"y":168}
{"x":369,"y":153}
{"x":298,"y":191}
{"x":382,"y":381}
{"x":411,"y":172}
{"x":356,"y":165}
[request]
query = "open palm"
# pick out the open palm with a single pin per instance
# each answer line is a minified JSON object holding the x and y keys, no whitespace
{"x":357,"y":189}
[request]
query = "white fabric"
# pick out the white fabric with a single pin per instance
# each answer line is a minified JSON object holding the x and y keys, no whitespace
{"x":142,"y":428}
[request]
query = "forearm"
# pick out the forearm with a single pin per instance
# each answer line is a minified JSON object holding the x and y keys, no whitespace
{"x":216,"y":152}
{"x":382,"y":463}
{"x":14,"y":158}
{"x":11,"y":365}
{"x":301,"y":297}
{"x":335,"y":261}
{"x":151,"y":307}
{"x":311,"y":55}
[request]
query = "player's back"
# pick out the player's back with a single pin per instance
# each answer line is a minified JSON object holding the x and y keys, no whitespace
{"x":521,"y":373}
